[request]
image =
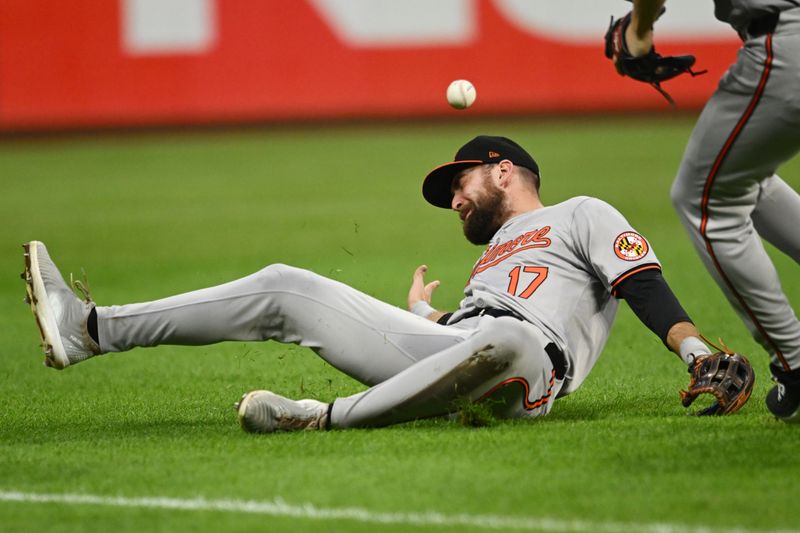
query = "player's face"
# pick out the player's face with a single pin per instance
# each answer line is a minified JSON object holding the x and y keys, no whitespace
{"x":480,"y":203}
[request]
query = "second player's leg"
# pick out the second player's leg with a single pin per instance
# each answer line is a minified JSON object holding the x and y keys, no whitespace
{"x":368,"y":339}
{"x":504,"y":362}
{"x":778,"y":208}
{"x":747,"y":129}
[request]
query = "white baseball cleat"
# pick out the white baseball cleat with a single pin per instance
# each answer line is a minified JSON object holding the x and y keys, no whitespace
{"x":262,"y":411}
{"x":60,"y":315}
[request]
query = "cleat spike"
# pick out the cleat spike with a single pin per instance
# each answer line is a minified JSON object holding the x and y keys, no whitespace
{"x":239,"y":402}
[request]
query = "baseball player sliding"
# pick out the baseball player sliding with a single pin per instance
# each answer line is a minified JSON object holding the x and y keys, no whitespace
{"x":536,"y":314}
{"x":727,"y":193}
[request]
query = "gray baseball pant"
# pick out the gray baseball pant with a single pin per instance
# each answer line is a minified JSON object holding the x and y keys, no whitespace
{"x":416,"y":368}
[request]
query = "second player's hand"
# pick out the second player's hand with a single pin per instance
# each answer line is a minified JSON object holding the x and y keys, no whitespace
{"x":638,"y":44}
{"x":639,"y":33}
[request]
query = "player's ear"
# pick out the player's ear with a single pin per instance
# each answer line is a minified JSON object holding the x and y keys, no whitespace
{"x":506,"y":170}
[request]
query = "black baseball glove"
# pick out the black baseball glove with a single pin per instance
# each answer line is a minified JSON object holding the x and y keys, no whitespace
{"x":652,"y":68}
{"x":726,"y":376}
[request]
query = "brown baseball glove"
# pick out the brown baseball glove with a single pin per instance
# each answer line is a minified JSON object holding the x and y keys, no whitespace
{"x":725,"y":375}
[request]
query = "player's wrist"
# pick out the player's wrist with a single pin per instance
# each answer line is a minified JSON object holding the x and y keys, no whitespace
{"x":422,"y":308}
{"x":637,"y":43}
{"x":691,"y":348}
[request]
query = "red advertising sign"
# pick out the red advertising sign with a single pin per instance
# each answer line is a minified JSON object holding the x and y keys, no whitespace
{"x":96,"y":63}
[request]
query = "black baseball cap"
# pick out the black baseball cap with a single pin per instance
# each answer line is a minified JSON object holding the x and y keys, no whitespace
{"x":480,"y":150}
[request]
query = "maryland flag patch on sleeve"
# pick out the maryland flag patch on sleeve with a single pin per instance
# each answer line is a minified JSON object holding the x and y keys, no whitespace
{"x":630,"y":246}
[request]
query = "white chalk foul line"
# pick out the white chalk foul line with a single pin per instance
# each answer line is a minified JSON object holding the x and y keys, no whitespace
{"x":278,"y":507}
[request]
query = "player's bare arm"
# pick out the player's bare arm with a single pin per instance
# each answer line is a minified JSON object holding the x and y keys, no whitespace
{"x":419,"y":295}
{"x":680,"y":332}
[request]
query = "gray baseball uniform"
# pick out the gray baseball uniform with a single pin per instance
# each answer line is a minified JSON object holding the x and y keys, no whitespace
{"x":554,"y":269}
{"x":727,"y":193}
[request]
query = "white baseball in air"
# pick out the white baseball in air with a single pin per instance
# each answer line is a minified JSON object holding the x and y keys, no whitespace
{"x":461,"y":94}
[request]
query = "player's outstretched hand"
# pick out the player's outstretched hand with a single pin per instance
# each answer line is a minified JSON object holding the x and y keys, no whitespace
{"x":419,"y":290}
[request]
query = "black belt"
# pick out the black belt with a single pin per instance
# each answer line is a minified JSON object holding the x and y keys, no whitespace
{"x":491,"y":311}
{"x":761,"y":26}
{"x":553,"y":352}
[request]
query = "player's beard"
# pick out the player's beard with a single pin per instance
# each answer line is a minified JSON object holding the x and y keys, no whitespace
{"x":487,"y":215}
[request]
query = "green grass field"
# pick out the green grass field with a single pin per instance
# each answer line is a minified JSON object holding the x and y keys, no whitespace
{"x":149,"y":215}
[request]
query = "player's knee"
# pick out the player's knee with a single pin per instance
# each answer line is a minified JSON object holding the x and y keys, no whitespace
{"x":280,"y":275}
{"x":508,"y":337}
{"x":275,"y":270}
{"x":683,"y":200}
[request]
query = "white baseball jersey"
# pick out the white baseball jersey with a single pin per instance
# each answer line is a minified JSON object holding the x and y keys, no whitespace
{"x":556,"y":267}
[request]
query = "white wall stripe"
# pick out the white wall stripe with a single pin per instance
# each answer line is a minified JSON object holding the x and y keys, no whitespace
{"x":278,"y":507}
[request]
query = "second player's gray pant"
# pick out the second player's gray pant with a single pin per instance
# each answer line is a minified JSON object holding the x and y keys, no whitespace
{"x":728,"y":196}
{"x":416,"y":368}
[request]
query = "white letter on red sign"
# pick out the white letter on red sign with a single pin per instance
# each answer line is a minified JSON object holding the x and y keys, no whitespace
{"x":152,"y":27}
{"x":398,"y":23}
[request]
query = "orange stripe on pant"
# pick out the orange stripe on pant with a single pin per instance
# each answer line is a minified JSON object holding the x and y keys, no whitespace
{"x":524,"y":382}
